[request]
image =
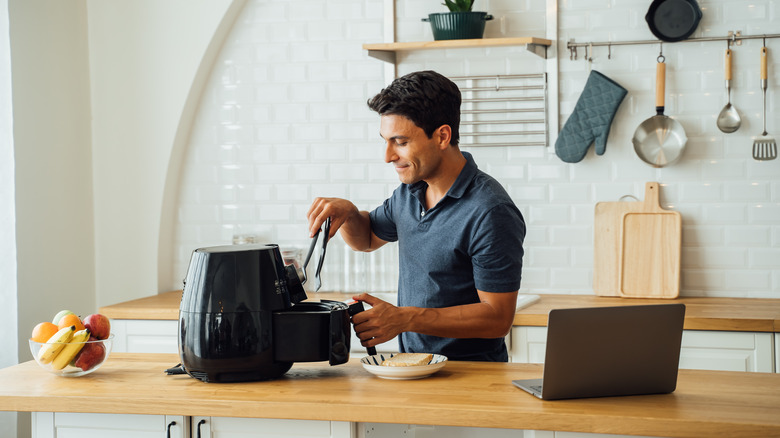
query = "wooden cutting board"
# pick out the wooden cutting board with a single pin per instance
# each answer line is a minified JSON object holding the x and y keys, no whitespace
{"x":650,"y":246}
{"x":606,"y":245}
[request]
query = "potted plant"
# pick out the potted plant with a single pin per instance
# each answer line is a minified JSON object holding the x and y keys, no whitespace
{"x":460,"y":23}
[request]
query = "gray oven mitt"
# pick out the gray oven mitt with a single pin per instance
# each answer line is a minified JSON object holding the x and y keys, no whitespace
{"x":591,"y":119}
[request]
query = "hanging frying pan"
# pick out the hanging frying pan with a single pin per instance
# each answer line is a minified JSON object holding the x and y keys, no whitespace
{"x":673,"y":20}
{"x":659,"y":140}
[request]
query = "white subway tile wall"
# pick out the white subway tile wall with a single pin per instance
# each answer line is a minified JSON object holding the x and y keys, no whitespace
{"x":284,"y":120}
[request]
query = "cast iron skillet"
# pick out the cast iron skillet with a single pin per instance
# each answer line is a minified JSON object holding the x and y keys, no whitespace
{"x":673,"y":20}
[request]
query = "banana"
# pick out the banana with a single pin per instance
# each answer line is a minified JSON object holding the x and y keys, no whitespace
{"x":55,"y":344}
{"x":70,"y":350}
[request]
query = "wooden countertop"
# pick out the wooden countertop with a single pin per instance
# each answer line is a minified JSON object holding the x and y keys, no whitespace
{"x":706,"y":403}
{"x":702,"y":313}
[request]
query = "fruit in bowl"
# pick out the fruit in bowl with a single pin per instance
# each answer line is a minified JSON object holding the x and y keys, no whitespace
{"x":72,"y":350}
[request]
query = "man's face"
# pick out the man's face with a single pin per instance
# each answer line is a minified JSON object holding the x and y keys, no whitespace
{"x":415,"y":156}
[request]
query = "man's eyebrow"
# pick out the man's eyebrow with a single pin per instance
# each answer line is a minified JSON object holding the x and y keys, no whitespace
{"x":395,"y":137}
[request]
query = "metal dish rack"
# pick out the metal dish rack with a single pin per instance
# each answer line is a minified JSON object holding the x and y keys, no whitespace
{"x":503,"y":110}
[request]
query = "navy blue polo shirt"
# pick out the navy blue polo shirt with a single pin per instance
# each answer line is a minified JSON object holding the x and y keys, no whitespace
{"x":471,"y":240}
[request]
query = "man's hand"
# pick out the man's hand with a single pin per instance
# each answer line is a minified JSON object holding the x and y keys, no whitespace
{"x":492,"y":317}
{"x":354,"y":224}
{"x":381,"y":323}
{"x":339,"y":211}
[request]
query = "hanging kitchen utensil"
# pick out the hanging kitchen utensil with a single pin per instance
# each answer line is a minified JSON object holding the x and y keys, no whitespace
{"x":764,"y":147}
{"x":673,"y":20}
{"x":728,"y":119}
{"x":650,"y":249}
{"x":660,"y":140}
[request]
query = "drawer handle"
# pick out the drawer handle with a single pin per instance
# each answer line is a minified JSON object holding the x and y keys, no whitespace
{"x":171,"y":424}
{"x":201,"y":422}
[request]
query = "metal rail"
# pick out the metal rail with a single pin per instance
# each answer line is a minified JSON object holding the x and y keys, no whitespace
{"x":491,"y":105}
{"x":732,"y":38}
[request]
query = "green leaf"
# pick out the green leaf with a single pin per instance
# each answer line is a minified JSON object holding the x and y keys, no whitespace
{"x":459,"y":5}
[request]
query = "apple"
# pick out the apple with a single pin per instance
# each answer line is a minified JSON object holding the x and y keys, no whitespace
{"x":59,"y":316}
{"x":99,"y":325}
{"x":92,"y":354}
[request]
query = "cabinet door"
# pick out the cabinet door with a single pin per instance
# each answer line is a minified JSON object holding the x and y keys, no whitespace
{"x":528,"y":344}
{"x":727,"y":351}
{"x":381,"y":430}
{"x":82,"y":425}
{"x":777,"y":351}
{"x":145,"y":336}
{"x":701,"y":350}
{"x":224,"y":427}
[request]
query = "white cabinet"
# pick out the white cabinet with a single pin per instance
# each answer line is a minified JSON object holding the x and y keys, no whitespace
{"x":161,"y":336}
{"x":383,"y":430}
{"x":83,"y":425}
{"x":224,"y":427}
{"x":380,"y":430}
{"x":727,"y":351}
{"x":777,"y":353}
{"x":79,"y":425}
{"x":705,"y":350}
{"x":145,"y":336}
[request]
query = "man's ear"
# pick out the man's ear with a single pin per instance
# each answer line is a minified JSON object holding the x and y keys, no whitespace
{"x":443,"y":135}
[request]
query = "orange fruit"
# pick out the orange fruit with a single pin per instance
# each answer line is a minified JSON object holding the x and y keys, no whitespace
{"x":69,"y":320}
{"x":43,"y":331}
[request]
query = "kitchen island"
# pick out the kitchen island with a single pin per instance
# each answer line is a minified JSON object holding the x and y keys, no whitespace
{"x":701,"y":313}
{"x":722,"y":334}
{"x":463,"y":394}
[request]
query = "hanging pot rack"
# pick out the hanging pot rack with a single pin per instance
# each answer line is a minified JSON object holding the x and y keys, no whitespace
{"x":733,"y":38}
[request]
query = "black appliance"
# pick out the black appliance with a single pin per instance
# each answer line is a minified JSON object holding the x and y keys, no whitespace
{"x":242,"y":317}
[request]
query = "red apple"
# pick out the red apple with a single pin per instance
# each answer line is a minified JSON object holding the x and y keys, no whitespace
{"x":99,"y":325}
{"x":92,"y":354}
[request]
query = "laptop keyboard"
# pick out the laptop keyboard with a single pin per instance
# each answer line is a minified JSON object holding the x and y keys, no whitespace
{"x":537,"y":388}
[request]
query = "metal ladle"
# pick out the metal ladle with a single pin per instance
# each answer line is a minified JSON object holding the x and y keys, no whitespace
{"x":728,"y":119}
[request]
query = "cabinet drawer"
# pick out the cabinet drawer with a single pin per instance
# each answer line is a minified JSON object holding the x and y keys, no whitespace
{"x":145,"y":336}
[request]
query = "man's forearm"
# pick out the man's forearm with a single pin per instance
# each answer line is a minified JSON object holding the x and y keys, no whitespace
{"x":356,"y":232}
{"x":479,"y":320}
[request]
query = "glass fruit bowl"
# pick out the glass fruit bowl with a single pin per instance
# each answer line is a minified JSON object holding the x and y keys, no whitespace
{"x":89,"y":356}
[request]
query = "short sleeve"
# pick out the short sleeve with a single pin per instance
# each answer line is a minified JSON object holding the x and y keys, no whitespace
{"x":497,"y":250}
{"x":382,"y":223}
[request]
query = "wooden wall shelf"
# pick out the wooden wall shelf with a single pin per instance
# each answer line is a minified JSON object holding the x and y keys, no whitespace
{"x":387,"y":51}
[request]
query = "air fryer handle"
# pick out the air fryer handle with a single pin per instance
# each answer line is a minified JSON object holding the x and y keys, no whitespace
{"x":354,"y":309}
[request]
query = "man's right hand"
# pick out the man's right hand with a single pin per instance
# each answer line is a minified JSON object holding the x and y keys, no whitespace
{"x":338,"y":210}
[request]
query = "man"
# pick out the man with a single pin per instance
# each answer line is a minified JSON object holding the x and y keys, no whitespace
{"x":459,"y":234}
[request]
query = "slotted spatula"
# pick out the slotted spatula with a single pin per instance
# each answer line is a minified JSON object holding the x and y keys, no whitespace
{"x":764,"y":147}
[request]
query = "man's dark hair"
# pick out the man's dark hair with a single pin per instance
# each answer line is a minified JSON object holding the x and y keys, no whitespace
{"x":426,"y":98}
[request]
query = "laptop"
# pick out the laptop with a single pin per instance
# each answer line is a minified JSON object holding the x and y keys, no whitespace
{"x":610,"y":351}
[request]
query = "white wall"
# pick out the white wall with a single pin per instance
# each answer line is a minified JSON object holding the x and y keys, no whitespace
{"x":51,"y":149}
{"x":55,"y":256}
{"x":285,"y":120}
{"x":8,"y":301}
{"x":144,"y":59}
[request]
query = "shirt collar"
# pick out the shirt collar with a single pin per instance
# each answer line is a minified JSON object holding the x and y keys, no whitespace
{"x":461,"y":183}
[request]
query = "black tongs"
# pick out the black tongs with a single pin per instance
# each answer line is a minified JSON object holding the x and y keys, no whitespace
{"x":317,"y":280}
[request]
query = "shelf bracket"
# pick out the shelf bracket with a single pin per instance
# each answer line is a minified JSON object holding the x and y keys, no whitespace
{"x":383,"y":55}
{"x":537,"y":49}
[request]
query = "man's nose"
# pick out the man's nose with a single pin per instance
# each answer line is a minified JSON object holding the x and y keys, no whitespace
{"x":390,"y":155}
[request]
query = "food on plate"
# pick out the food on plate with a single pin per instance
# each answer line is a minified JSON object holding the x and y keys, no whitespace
{"x":70,"y":350}
{"x":408,"y":360}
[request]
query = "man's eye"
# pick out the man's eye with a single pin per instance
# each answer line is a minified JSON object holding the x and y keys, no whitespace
{"x":400,"y":143}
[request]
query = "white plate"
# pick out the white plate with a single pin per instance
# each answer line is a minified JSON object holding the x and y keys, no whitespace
{"x":372,"y":364}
